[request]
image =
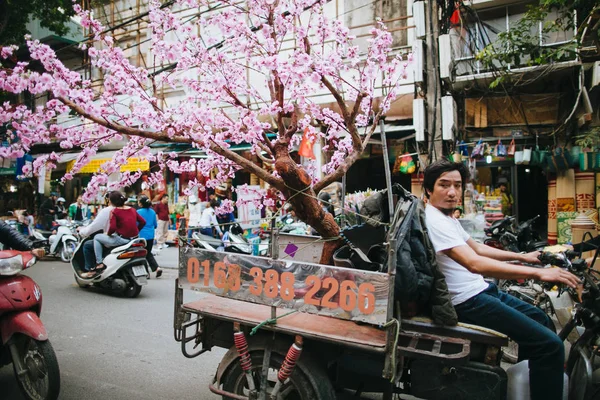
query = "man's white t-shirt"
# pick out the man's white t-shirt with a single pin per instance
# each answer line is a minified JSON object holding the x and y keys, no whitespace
{"x":445,"y":233}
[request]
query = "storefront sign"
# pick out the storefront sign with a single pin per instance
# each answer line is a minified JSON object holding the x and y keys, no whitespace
{"x":133,"y":164}
{"x":248,"y":213}
{"x":314,"y":288}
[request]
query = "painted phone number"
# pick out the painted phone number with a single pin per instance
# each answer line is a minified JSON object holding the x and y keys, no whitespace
{"x":327,"y":292}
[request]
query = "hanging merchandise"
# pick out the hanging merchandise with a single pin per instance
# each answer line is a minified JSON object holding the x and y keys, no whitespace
{"x":512,"y":148}
{"x":518,"y":157}
{"x":500,"y":149}
{"x":478,"y":150}
{"x":463,"y":149}
{"x":407,"y":166}
{"x":456,"y":157}
{"x":538,"y":157}
{"x":561,"y":159}
{"x":526,"y":156}
{"x":397,"y":163}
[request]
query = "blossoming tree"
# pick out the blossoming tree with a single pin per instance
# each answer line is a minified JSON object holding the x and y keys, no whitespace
{"x":247,"y":68}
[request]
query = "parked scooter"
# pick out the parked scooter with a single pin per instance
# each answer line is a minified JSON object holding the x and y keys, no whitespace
{"x":61,"y":242}
{"x":24,"y":339}
{"x":126,"y":268}
{"x":233,"y":241}
{"x":503,"y":234}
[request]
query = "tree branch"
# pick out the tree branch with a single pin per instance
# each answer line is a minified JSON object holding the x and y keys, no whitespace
{"x":230,"y":155}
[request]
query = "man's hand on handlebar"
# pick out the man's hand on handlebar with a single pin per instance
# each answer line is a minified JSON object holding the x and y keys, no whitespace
{"x":531,"y":257}
{"x":39,"y":253}
{"x":558,"y":275}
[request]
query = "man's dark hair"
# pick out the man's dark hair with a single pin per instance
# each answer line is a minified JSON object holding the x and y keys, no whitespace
{"x":116,"y":198}
{"x":214,"y":203}
{"x":437,"y":168}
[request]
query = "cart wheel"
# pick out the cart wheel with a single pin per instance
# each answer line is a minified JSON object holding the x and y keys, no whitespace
{"x":308,"y":382}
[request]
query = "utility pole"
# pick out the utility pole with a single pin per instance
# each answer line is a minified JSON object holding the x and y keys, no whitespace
{"x":433,"y":84}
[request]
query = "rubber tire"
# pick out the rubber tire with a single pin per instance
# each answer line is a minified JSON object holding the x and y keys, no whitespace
{"x":49,"y":358}
{"x":64,"y":252}
{"x":132,"y":291}
{"x":321,"y":390}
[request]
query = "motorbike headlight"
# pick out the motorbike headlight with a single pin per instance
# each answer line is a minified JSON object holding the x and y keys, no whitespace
{"x":12,"y":265}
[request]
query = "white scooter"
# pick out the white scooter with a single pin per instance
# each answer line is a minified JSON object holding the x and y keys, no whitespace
{"x":61,"y":243}
{"x":126,"y":268}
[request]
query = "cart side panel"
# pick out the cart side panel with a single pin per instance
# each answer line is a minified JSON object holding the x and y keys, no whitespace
{"x":314,"y":288}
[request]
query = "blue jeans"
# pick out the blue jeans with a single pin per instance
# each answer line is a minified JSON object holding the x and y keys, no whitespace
{"x":102,"y":240}
{"x":527,"y":325}
{"x":207,"y":232}
{"x":88,"y":255}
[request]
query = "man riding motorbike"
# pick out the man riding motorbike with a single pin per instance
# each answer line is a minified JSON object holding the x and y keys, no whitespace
{"x":464,"y":262}
{"x":16,"y":241}
{"x":100,"y":223}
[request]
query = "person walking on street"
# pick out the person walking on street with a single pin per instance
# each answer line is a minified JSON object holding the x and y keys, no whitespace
{"x":48,"y":211}
{"x":162,"y":212}
{"x":147,"y":232}
{"x":464,"y":262}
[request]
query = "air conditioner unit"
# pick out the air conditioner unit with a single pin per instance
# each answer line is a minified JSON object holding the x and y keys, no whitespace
{"x":419,"y":19}
{"x":445,"y":51}
{"x":418,"y":60}
{"x":449,"y":117}
{"x":419,"y":121}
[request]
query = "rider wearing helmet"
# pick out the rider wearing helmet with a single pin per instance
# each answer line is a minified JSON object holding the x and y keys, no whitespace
{"x":60,"y":208}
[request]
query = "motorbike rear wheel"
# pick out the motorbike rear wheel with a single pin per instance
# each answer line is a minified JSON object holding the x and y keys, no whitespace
{"x":309,"y":383}
{"x":42,"y":378}
{"x":132,"y":291}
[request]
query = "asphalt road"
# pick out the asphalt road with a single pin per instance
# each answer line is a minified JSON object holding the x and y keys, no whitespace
{"x":116,"y":348}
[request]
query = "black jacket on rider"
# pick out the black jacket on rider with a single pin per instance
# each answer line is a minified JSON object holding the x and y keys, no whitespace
{"x":13,"y":239}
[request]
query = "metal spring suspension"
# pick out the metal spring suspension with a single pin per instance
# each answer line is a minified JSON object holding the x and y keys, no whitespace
{"x":242,"y":347}
{"x":289,"y":363}
{"x":287,"y":367}
{"x":245,"y":359}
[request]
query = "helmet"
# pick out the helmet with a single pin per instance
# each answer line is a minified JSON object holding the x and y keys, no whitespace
{"x":61,"y":199}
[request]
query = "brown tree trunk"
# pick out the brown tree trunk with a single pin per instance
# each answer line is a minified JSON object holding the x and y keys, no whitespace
{"x":306,"y":206}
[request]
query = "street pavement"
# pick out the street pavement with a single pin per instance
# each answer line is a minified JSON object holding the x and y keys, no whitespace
{"x":116,"y":348}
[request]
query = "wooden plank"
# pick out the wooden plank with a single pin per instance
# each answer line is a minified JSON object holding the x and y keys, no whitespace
{"x":337,"y":292}
{"x":326,"y":328}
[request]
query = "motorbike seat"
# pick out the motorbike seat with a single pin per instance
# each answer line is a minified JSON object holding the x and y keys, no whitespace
{"x":208,"y":239}
{"x":126,"y":246}
{"x":474,"y":333}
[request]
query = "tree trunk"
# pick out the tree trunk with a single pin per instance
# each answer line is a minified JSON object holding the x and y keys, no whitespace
{"x":306,"y":206}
